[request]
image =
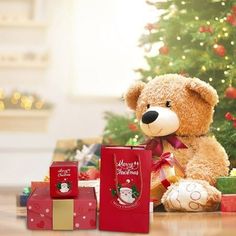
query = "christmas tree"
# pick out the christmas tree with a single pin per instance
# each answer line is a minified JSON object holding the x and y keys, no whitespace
{"x":195,"y":39}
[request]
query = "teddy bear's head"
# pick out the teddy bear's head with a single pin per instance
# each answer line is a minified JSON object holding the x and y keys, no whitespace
{"x":173,"y":104}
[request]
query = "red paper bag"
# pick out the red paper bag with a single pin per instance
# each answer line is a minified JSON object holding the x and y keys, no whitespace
{"x":125,"y":189}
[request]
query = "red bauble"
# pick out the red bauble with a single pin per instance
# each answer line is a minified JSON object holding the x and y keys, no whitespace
{"x":231,"y":19}
{"x":229,"y":116}
{"x":83,"y":176}
{"x":220,"y":50}
{"x":205,"y":29}
{"x":164,"y":50}
{"x":230,"y":92}
{"x":233,"y":9}
{"x":133,"y":127}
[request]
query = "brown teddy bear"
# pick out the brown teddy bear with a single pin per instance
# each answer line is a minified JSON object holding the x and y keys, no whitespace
{"x":173,"y":104}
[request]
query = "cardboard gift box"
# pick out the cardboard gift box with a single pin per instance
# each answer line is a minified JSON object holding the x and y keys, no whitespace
{"x":38,"y":184}
{"x":125,"y":189}
{"x":227,"y":184}
{"x":64,"y":179}
{"x":45,"y":213}
{"x":228,"y":203}
{"x":165,"y":171}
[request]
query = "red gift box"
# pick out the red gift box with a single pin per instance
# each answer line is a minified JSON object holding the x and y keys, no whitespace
{"x":45,"y":213}
{"x":125,"y":189}
{"x":64,"y":179}
{"x":228,"y":203}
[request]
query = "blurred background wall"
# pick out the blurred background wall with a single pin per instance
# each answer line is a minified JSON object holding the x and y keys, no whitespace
{"x":91,"y":52}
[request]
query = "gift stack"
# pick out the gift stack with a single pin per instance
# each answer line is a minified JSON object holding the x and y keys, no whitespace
{"x":227,"y":186}
{"x":62,"y":205}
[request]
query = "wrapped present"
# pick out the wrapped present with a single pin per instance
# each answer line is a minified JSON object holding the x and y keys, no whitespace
{"x":64,"y":179}
{"x":124,"y":190}
{"x":45,"y":213}
{"x":165,"y":171}
{"x":227,"y":184}
{"x":37,"y":184}
{"x":228,"y":203}
{"x":66,"y":150}
{"x":21,"y":199}
{"x":92,"y":183}
{"x":89,"y":173}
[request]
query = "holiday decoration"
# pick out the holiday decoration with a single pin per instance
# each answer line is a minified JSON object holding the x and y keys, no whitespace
{"x":227,"y":184}
{"x":23,"y":197}
{"x":219,"y":50}
{"x":88,"y":155}
{"x":121,"y":130}
{"x":189,"y":195}
{"x":165,"y":171}
{"x":230,"y":92}
{"x":164,"y":50}
{"x":124,"y":196}
{"x":190,"y":29}
{"x":44,"y":213}
{"x":205,"y":29}
{"x":64,"y":179}
{"x":233,"y":172}
{"x":230,"y":117}
{"x":89,"y":173}
{"x":228,"y":203}
{"x":232,"y":17}
{"x":175,"y":112}
{"x":23,"y":101}
{"x":86,"y":151}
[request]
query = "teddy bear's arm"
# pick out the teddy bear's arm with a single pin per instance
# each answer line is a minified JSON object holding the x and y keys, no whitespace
{"x":209,"y":162}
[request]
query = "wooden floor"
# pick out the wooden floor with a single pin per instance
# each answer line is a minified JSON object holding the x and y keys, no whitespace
{"x":179,"y":224}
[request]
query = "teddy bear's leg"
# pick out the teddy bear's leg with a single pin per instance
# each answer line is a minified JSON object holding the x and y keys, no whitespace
{"x":209,"y":162}
{"x":191,"y":195}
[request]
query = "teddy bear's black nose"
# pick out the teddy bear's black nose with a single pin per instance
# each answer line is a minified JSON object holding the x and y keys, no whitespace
{"x":149,"y":117}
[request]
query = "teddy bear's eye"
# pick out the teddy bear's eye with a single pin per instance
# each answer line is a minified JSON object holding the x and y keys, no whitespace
{"x":148,"y":105}
{"x":168,"y":103}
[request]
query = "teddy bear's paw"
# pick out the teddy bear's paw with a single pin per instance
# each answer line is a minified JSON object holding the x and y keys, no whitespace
{"x":191,"y":195}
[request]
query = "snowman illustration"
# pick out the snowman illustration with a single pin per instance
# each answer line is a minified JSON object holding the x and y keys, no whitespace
{"x":126,"y":193}
{"x":64,"y":187}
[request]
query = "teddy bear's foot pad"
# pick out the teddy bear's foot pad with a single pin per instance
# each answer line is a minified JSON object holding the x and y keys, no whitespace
{"x":191,"y":195}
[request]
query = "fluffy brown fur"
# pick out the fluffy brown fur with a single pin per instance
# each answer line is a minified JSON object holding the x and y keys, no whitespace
{"x":193,"y":101}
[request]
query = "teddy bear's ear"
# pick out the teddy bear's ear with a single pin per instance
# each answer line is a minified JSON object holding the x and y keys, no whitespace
{"x":207,"y":92}
{"x":132,"y":95}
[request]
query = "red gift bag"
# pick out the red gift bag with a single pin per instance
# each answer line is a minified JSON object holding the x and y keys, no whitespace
{"x":125,"y":189}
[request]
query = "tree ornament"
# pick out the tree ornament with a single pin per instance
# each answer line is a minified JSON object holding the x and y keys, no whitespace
{"x":164,"y":50}
{"x":219,"y":50}
{"x":133,"y":127}
{"x":230,"y":92}
{"x":230,"y":117}
{"x":206,"y":29}
{"x":232,"y":17}
{"x":233,"y":9}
